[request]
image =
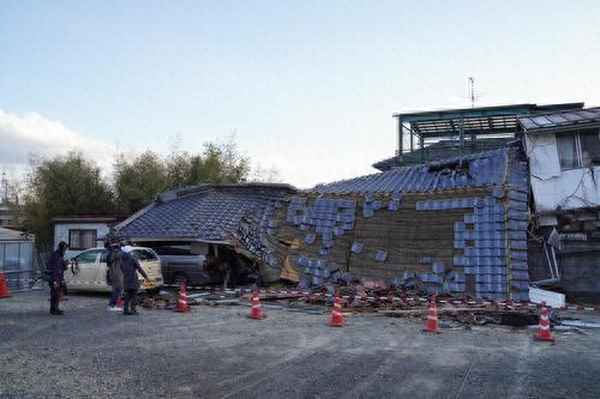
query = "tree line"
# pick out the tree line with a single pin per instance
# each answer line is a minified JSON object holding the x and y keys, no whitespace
{"x":74,"y":185}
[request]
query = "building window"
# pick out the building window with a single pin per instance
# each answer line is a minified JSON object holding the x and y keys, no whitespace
{"x":579,"y":149}
{"x":82,"y":239}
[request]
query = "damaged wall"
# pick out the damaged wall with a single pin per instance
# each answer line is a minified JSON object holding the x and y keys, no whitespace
{"x":577,"y":249}
{"x":566,"y":198}
{"x":554,"y":189}
{"x":470,"y":239}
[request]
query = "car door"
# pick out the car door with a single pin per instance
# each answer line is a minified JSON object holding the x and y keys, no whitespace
{"x":101,"y":274}
{"x":72,"y":275}
{"x":87,"y":265}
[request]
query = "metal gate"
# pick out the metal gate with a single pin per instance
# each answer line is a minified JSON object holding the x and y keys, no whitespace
{"x":16,"y":262}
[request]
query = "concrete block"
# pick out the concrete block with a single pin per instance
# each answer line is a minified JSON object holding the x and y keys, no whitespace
{"x":518,"y":196}
{"x":518,"y":255}
{"x":357,"y":247}
{"x":514,"y":214}
{"x":394,"y":205}
{"x":438,"y":267}
{"x":459,"y":260}
{"x":517,"y":235}
{"x":516,"y":226}
{"x":520,"y":275}
{"x":310,"y":238}
{"x":380,"y":255}
{"x":519,"y":265}
{"x":518,"y":244}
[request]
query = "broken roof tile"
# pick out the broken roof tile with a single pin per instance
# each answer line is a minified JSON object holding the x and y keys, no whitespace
{"x":206,"y":212}
{"x":484,"y":169}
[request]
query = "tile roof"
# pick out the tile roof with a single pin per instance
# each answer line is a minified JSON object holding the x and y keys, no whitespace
{"x":589,"y":117}
{"x":484,"y":169}
{"x":207,"y":213}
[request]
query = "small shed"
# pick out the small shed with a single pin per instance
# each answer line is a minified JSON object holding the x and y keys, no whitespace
{"x":16,"y":258}
{"x":82,"y":232}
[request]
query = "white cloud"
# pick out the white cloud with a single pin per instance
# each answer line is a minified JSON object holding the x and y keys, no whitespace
{"x":32,"y":133}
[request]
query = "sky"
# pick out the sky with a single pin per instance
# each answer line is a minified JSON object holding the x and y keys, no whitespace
{"x":307,"y":87}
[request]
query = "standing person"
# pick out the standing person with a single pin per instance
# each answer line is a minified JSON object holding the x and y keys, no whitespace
{"x":114,"y":277}
{"x":130,"y":268}
{"x":56,"y":269}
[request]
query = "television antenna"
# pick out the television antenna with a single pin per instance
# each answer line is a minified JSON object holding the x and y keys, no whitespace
{"x":472,"y":90}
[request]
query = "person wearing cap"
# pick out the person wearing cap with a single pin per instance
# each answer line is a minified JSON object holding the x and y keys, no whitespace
{"x":114,"y":277}
{"x":56,"y":270}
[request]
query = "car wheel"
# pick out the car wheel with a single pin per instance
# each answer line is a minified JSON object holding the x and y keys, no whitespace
{"x":152,"y":291}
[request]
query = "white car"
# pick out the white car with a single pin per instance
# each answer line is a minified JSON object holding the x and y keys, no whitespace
{"x":87,"y":270}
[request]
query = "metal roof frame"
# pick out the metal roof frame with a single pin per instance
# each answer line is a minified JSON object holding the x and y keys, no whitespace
{"x":469,"y":121}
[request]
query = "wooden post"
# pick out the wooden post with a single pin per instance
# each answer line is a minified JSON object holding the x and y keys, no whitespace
{"x":462,"y":136}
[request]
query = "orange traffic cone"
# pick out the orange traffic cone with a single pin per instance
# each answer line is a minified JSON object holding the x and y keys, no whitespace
{"x":544,"y":333}
{"x":4,"y":292}
{"x":336,"y":319}
{"x":431,"y":325}
{"x":182,"y":303}
{"x":256,"y":311}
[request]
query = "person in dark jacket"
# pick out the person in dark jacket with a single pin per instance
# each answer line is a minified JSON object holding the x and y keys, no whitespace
{"x":56,"y":269}
{"x":114,"y":277}
{"x":130,"y":267}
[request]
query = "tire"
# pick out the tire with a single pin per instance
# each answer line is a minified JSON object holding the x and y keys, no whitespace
{"x":151,"y":291}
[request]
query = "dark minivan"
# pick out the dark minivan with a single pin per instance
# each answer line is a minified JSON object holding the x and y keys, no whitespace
{"x":179,"y":264}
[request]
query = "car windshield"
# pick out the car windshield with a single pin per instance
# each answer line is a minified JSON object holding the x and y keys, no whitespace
{"x":174,"y":250}
{"x":87,"y":257}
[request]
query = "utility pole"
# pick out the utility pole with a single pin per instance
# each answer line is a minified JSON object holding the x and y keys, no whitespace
{"x":5,"y":187}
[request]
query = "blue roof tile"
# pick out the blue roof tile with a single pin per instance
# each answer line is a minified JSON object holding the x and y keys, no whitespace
{"x":484,"y":169}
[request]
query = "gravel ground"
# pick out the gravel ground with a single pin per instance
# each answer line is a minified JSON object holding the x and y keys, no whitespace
{"x":217,"y":352}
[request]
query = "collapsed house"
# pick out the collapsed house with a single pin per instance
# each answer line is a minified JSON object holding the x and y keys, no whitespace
{"x":563,"y":149}
{"x":210,"y":220}
{"x":456,"y":226}
{"x":448,"y":213}
{"x":451,"y":212}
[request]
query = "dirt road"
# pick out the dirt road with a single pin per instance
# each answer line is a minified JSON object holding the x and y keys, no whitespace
{"x":217,"y":352}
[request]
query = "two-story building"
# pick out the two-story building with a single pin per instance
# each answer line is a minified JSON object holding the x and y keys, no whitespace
{"x":563,"y":148}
